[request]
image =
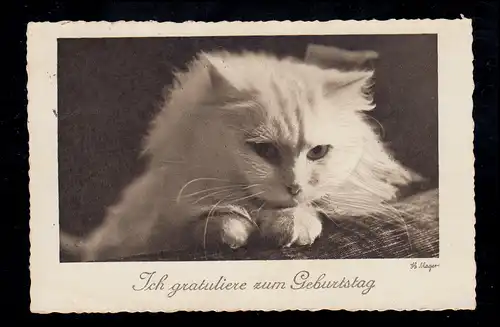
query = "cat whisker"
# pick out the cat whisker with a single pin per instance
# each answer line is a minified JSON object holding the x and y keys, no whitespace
{"x":221,"y":189}
{"x":382,"y":129}
{"x":400,"y":218}
{"x":209,"y":216}
{"x":243,"y":213}
{"x":231,"y":188}
{"x":197,"y":180}
{"x":360,"y":235}
{"x":237,"y":187}
{"x":251,"y":185}
{"x":358,"y":204}
{"x":212,"y":189}
{"x":381,"y":209}
{"x":257,"y":211}
{"x":213,"y":193}
{"x":261,"y":207}
{"x":248,"y":197}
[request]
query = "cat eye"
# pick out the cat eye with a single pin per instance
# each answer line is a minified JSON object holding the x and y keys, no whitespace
{"x":318,"y":152}
{"x":266,"y":150}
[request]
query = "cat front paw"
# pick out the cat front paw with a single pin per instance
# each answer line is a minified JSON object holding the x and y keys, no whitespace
{"x":236,"y":231}
{"x":307,"y":227}
{"x":227,"y":231}
{"x":297,"y":226}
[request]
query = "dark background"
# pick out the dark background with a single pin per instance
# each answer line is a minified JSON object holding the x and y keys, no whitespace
{"x":15,"y":178}
{"x":110,"y":88}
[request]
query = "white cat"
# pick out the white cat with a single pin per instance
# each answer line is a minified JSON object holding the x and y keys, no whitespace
{"x":250,"y":144}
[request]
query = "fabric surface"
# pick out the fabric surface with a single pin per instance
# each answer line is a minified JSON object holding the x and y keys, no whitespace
{"x":414,"y":234}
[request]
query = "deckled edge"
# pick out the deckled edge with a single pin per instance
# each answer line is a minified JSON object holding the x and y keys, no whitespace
{"x":462,"y":17}
{"x":301,"y":22}
{"x":252,"y":310}
{"x":28,"y":127}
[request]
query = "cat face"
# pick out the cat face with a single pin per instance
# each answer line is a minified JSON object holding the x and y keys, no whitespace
{"x":253,"y":130}
{"x":293,"y":131}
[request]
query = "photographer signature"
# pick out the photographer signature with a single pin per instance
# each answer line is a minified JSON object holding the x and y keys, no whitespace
{"x":423,"y":265}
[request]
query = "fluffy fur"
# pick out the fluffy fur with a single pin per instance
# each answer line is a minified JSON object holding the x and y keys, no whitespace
{"x":234,"y":136}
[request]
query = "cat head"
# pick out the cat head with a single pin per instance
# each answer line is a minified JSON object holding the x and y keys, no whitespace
{"x":289,"y":132}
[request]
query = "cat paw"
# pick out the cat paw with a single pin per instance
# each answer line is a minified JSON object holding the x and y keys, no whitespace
{"x":307,"y":228}
{"x":298,"y":226}
{"x":277,"y":228}
{"x":228,"y":231}
{"x":236,"y":231}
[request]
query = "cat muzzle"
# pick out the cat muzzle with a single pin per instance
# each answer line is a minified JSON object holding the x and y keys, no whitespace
{"x":283,"y":204}
{"x":294,"y":189}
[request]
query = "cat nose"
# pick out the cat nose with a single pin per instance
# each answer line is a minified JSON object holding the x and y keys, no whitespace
{"x":294,"y":189}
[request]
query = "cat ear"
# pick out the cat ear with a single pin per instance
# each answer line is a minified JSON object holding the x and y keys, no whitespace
{"x":357,"y":81}
{"x":217,"y":72}
{"x":347,"y":70}
{"x":332,"y":57}
{"x":350,"y":89}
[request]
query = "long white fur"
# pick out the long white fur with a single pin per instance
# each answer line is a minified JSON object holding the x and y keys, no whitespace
{"x":199,"y":163}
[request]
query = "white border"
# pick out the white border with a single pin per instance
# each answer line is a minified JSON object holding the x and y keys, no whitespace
{"x":107,"y":287}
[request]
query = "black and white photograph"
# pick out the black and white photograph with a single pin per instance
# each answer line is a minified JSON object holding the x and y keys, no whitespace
{"x":328,"y":155}
{"x":248,"y":147}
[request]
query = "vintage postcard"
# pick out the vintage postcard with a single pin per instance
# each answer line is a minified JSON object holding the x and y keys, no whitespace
{"x":241,"y":166}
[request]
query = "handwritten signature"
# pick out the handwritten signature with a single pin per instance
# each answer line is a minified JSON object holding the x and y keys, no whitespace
{"x":423,"y":265}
